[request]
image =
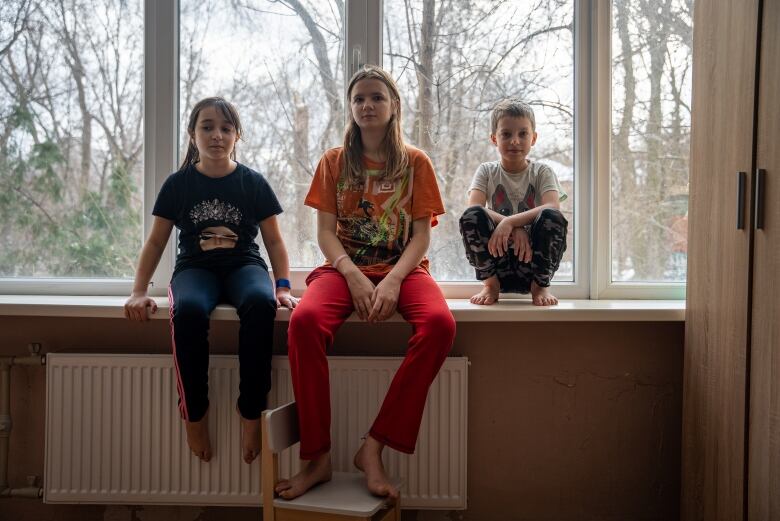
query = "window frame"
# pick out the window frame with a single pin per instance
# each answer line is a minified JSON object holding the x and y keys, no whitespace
{"x":364,"y":18}
{"x":603,"y":287}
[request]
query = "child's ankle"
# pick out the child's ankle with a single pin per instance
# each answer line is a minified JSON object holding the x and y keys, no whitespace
{"x":492,"y":282}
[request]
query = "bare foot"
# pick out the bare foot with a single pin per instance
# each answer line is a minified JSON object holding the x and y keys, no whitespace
{"x":316,"y":471}
{"x":250,"y":438}
{"x":489,"y":293}
{"x":369,"y":460}
{"x":542,"y":296}
{"x":198,"y":437}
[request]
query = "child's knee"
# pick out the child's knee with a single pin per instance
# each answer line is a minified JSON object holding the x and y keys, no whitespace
{"x":553,"y":216}
{"x":258,"y":306}
{"x":440,"y":326}
{"x":302,"y":325}
{"x":190,"y":310}
{"x":473,"y":215}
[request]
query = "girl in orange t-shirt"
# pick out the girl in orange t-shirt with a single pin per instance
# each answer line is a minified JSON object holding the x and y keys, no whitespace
{"x":376,"y":201}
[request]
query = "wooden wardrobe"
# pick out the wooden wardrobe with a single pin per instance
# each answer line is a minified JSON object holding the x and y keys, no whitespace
{"x":731,"y":394}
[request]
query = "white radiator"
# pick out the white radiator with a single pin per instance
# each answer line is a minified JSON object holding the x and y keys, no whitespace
{"x":114,"y":434}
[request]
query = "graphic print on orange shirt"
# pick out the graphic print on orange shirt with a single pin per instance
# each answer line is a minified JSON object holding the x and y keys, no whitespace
{"x":373,"y":217}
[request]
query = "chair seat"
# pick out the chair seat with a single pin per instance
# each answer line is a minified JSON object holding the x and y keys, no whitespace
{"x":345,"y":494}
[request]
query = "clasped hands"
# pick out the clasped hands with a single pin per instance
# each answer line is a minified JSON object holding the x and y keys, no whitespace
{"x":374,"y":303}
{"x":503,"y":234}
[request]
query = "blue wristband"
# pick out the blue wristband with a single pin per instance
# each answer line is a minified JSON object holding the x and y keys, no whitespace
{"x":283,"y":283}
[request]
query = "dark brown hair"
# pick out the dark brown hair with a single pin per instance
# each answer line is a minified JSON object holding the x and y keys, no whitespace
{"x":228,"y":111}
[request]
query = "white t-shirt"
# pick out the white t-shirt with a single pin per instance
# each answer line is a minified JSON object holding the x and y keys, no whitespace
{"x":509,"y":194}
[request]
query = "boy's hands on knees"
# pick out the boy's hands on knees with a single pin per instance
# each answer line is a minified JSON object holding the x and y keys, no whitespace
{"x":385,"y":299}
{"x":136,"y":306}
{"x":522,"y":244}
{"x":362,"y":290}
{"x":499,"y":241}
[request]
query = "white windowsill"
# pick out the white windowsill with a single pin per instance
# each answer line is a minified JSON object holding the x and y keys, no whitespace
{"x":507,"y":310}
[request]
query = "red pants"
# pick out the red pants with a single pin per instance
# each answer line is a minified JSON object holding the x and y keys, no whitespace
{"x":325,"y":305}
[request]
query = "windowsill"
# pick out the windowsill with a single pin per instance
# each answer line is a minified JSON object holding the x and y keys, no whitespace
{"x":507,"y":310}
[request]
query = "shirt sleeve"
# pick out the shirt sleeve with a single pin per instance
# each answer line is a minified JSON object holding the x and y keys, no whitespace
{"x":547,"y":181}
{"x":165,"y":204}
{"x":426,"y":199}
{"x":322,"y":192}
{"x":266,"y":202}
{"x":480,"y":180}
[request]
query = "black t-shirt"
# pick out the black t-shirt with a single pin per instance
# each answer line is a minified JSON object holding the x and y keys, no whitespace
{"x":217,"y":218}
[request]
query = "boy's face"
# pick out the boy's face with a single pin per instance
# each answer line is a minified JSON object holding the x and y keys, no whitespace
{"x":514,"y":138}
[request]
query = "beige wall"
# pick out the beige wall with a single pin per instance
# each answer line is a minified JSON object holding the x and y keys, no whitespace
{"x":567,"y":421}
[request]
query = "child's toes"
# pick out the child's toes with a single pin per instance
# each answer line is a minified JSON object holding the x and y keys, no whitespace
{"x":249,"y":456}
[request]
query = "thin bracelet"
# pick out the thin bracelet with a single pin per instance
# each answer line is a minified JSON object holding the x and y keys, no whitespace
{"x":338,"y":259}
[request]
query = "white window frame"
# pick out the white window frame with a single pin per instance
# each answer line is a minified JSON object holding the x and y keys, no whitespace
{"x":161,"y":116}
{"x":364,"y":40}
{"x":161,"y":83}
{"x":603,"y":287}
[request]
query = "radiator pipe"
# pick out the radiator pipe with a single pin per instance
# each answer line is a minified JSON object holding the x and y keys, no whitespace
{"x":6,"y":362}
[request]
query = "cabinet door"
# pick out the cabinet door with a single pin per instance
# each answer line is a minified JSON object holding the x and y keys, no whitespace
{"x":764,"y":446}
{"x":724,"y":62}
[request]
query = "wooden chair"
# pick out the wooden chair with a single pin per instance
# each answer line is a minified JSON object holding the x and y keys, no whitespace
{"x":343,"y":498}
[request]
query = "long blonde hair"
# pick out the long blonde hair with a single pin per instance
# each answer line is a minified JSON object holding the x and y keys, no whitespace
{"x":228,"y":111}
{"x":397,"y":161}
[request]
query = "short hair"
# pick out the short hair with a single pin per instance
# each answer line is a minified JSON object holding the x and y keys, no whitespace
{"x":514,"y":108}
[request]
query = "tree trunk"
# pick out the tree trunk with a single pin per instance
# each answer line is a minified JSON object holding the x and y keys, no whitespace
{"x":73,"y":59}
{"x":650,"y":264}
{"x":333,"y":91}
{"x":424,"y":116}
{"x":624,"y":167}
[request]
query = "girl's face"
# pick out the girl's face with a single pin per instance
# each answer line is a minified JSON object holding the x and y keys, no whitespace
{"x":371,"y":104}
{"x":214,"y":135}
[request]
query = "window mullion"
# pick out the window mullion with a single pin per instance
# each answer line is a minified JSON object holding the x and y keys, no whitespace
{"x":374,"y":32}
{"x":601,"y":106}
{"x":584,"y":93}
{"x":161,"y":85}
{"x":363,"y":34}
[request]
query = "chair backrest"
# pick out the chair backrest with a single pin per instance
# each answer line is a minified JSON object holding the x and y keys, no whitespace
{"x":280,"y":431}
{"x":282,"y":427}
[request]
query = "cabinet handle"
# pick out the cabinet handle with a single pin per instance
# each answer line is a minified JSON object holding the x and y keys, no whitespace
{"x":759,"y":217}
{"x":741,"y":177}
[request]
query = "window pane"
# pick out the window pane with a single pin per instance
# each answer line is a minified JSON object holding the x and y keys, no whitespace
{"x":71,"y":144}
{"x":452,"y":65}
{"x":651,"y":100}
{"x":281,"y":65}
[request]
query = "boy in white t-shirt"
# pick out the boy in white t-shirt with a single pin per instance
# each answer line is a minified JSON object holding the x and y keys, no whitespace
{"x":515,"y":243}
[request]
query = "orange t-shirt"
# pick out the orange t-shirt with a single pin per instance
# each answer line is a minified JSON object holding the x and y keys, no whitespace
{"x":374,"y":218}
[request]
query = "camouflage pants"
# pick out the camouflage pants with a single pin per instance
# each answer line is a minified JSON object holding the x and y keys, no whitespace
{"x":548,"y":242}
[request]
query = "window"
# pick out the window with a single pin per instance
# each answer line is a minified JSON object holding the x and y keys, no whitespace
{"x":94,"y":98}
{"x":71,"y":146}
{"x":281,"y":64}
{"x":452,"y":66}
{"x":651,"y":102}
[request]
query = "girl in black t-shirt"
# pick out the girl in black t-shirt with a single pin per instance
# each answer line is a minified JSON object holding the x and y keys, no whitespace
{"x":218,"y":205}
